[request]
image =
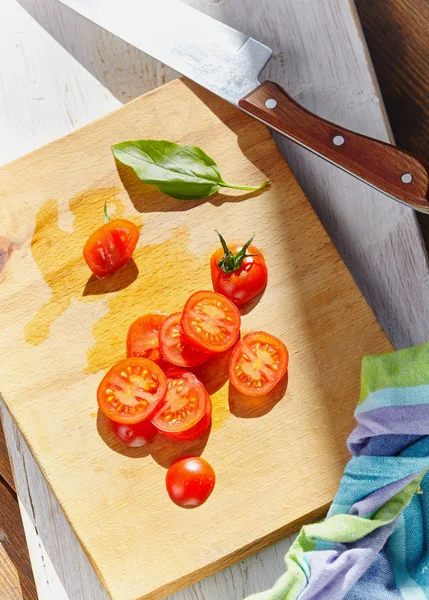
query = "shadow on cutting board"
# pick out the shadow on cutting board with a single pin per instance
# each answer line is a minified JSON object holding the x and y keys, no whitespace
{"x":164,"y":451}
{"x":248,"y":407}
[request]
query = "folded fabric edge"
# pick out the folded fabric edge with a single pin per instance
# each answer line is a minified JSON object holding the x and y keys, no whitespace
{"x":338,"y":528}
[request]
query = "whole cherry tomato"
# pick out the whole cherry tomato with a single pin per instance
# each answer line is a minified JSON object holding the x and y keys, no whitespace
{"x":239,"y":271}
{"x":190,"y":481}
{"x":110,"y":246}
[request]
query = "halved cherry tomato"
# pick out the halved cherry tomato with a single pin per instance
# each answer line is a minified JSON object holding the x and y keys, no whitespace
{"x":111,"y":246}
{"x":190,"y":481}
{"x":186,"y":410}
{"x":142,"y":339}
{"x":210,"y":322}
{"x":239,"y":271}
{"x":174,"y":348}
{"x":132,"y":390}
{"x":134,"y":436}
{"x":257,"y":363}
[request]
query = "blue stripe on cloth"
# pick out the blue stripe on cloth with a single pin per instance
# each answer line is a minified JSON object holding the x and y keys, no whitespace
{"x":396,"y":553}
{"x":377,"y":583}
{"x":366,"y":474}
{"x":415,"y":520}
{"x":410,"y":396}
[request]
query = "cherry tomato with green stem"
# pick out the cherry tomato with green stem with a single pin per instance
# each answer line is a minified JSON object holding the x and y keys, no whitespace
{"x":238,"y":271}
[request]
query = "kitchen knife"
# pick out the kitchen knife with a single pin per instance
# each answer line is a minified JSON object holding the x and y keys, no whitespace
{"x":229,"y":64}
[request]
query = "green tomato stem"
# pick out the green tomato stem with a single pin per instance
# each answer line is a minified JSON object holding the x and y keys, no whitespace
{"x":106,"y":214}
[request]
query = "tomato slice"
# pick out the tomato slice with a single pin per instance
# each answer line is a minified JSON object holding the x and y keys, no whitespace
{"x":142,"y":339}
{"x":134,"y":436}
{"x":186,"y":410}
{"x":110,"y":246}
{"x":131,"y":390}
{"x":174,"y":348}
{"x":210,"y":322}
{"x":190,"y":481}
{"x":258,"y":362}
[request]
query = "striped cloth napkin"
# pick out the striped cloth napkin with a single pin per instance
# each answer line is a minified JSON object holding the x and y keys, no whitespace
{"x":374,"y":543}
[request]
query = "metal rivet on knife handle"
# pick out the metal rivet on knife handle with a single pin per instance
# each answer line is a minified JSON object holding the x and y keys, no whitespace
{"x":393,"y":171}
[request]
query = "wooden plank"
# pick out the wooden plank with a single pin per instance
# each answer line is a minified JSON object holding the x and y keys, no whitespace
{"x":16,"y":577}
{"x":61,"y":568}
{"x":303,"y":304}
{"x":66,"y":93}
{"x":5,"y":468}
{"x":398,"y":43}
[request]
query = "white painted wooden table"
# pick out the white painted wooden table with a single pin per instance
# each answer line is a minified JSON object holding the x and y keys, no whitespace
{"x":58,"y":72}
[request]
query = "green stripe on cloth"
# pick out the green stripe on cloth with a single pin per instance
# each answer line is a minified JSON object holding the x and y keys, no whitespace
{"x":388,"y":370}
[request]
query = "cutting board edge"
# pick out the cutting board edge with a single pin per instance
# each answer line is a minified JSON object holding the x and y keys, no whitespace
{"x":231,"y":558}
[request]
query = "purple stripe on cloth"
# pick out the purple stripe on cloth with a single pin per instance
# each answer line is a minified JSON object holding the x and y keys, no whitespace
{"x":397,"y":420}
{"x":374,"y":501}
{"x":334,"y":572}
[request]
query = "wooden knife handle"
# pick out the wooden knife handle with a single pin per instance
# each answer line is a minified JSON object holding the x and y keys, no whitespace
{"x":395,"y":172}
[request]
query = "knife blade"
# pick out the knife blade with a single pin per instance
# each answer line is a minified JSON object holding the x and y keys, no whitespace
{"x":229,"y":63}
{"x":210,"y":53}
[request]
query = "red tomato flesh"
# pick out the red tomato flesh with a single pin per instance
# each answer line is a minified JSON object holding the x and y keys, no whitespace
{"x":134,"y":436}
{"x":190,"y":481}
{"x":246,"y":282}
{"x":132,"y":390}
{"x":143,"y":336}
{"x":257,"y":363}
{"x":186,"y":410}
{"x":111,"y":246}
{"x":175,"y":349}
{"x":210,"y":322}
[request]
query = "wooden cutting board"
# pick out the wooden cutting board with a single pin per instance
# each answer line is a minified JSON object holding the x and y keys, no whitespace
{"x":278,"y":461}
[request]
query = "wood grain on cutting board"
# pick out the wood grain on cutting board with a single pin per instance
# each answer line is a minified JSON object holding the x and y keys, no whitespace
{"x":278,"y":461}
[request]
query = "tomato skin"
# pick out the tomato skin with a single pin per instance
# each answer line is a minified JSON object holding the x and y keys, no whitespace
{"x":210,"y":322}
{"x":110,"y":247}
{"x":134,"y":436}
{"x":257,"y":363}
{"x":175,"y":418}
{"x":131,"y":390}
{"x":246,"y":282}
{"x":190,"y":481}
{"x":175,"y":349}
{"x":143,"y":336}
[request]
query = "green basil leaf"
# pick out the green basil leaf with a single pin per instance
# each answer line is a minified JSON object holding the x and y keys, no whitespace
{"x":182,"y":172}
